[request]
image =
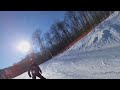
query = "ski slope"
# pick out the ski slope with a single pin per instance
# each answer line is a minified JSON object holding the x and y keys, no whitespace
{"x":96,"y":56}
{"x":105,"y":35}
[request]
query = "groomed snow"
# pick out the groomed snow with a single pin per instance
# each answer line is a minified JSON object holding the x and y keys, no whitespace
{"x":96,"y":56}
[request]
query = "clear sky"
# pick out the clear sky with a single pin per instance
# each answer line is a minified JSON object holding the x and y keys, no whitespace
{"x":16,"y":26}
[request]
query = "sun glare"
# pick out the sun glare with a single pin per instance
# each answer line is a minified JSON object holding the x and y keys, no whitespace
{"x":24,"y":46}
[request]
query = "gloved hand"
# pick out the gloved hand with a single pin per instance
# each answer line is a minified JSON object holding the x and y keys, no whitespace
{"x":40,"y":71}
{"x":29,"y":75}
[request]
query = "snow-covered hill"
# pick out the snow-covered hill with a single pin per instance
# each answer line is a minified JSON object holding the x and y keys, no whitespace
{"x":105,"y":35}
{"x":101,"y":59}
{"x":100,"y":64}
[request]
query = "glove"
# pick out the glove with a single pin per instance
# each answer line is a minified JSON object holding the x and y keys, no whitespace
{"x":29,"y":75}
{"x":40,"y":71}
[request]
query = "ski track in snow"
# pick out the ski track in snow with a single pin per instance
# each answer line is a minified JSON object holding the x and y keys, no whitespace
{"x":96,"y":56}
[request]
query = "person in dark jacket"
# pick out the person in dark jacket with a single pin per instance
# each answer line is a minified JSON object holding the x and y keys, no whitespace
{"x":34,"y":71}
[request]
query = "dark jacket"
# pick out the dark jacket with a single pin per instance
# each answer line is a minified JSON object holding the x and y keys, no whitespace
{"x":34,"y":69}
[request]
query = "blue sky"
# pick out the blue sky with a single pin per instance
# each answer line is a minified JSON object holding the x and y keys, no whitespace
{"x":16,"y":26}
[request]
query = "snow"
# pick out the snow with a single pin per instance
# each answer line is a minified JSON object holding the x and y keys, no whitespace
{"x":105,"y":35}
{"x":96,"y":56}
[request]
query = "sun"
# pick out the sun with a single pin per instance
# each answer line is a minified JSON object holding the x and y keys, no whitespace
{"x":24,"y":46}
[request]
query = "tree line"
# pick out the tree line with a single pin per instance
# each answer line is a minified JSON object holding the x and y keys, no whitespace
{"x":64,"y":32}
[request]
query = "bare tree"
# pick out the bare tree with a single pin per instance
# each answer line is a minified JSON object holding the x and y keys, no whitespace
{"x":48,"y":39}
{"x":36,"y":38}
{"x":63,"y":29}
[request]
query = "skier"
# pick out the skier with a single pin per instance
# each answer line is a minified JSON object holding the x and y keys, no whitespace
{"x":35,"y":71}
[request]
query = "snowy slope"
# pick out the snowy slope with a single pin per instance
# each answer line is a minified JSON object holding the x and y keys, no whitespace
{"x":105,"y":35}
{"x":102,"y":63}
